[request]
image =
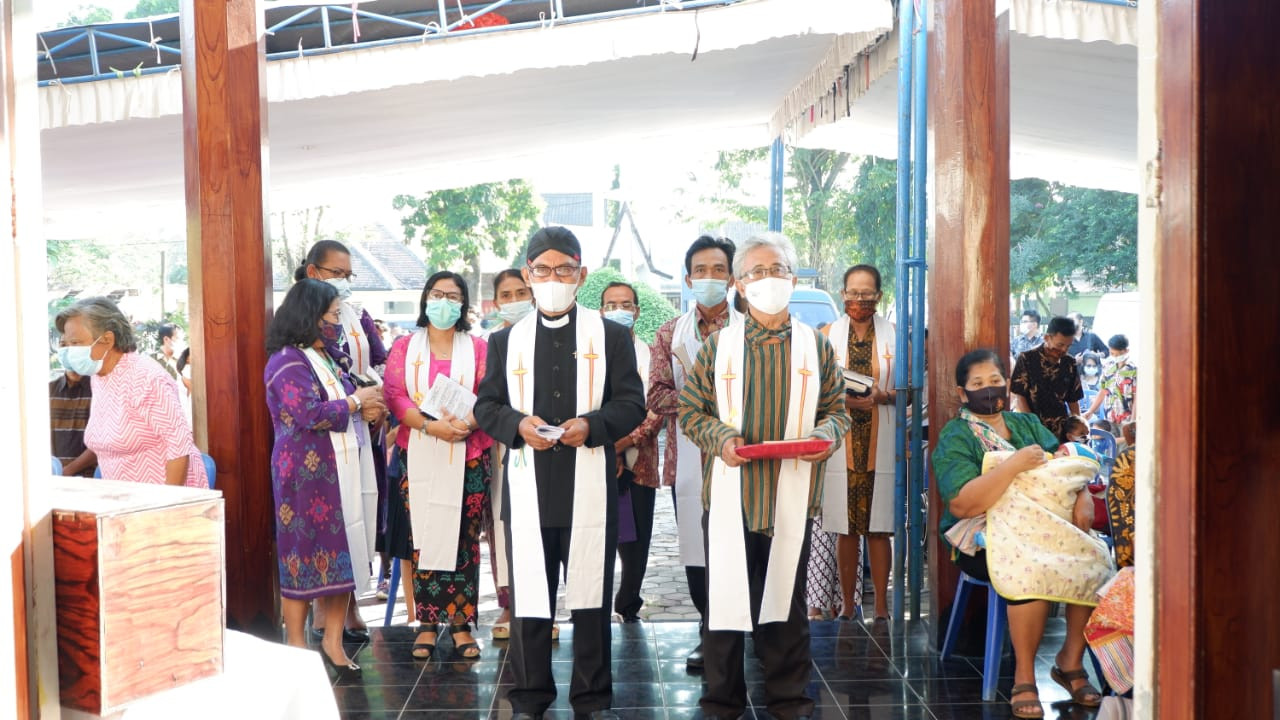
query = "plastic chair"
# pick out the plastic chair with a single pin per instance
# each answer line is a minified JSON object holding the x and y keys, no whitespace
{"x":57,"y":465}
{"x":210,"y":469}
{"x":393,"y":585}
{"x":997,"y":631}
{"x":1104,"y":443}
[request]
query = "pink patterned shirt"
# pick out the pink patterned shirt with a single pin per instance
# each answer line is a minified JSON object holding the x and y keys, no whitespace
{"x":137,"y":425}
{"x":399,"y":402}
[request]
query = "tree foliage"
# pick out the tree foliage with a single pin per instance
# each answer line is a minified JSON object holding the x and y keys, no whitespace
{"x":151,"y":8}
{"x":293,"y":232}
{"x":457,"y":226}
{"x":1061,"y":235}
{"x":86,"y":15}
{"x":654,"y":308}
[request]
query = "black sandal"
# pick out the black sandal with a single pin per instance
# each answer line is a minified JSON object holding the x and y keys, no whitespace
{"x":424,"y":650}
{"x":465,"y":651}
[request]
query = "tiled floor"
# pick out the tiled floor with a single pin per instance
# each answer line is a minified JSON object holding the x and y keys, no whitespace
{"x":862,"y":672}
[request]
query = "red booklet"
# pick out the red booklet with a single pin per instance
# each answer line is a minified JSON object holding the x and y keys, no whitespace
{"x":783,"y":449}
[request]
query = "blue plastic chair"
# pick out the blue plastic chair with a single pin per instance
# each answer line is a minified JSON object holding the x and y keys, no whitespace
{"x":997,"y":631}
{"x":393,"y":585}
{"x":57,"y":465}
{"x":210,"y":469}
{"x":1104,"y":443}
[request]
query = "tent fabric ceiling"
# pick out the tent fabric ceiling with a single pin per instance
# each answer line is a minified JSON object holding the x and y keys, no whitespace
{"x":461,"y":111}
{"x":1073,"y":105}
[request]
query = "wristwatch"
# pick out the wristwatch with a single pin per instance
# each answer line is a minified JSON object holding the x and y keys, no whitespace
{"x":356,"y":398}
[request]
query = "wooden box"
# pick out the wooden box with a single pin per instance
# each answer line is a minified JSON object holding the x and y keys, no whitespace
{"x":140,"y":589}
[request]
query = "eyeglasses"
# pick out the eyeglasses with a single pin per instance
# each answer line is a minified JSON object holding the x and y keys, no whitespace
{"x":874,"y":295}
{"x":560,"y":271}
{"x":345,"y":274}
{"x":333,"y":313}
{"x":438,"y":295}
{"x":628,"y":306}
{"x":761,"y":272}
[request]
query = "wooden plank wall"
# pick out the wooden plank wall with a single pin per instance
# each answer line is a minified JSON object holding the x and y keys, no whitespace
{"x":1218,"y":423}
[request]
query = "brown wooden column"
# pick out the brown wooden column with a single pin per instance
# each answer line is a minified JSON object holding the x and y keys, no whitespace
{"x":225,"y":129}
{"x":969,"y":249}
{"x":1217,"y":427}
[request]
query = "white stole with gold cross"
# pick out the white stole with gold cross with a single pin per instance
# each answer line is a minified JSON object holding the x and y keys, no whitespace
{"x":835,"y":490}
{"x":584,"y":589}
{"x":358,"y":351}
{"x":729,"y":596}
{"x":346,"y":458}
{"x":436,"y":468}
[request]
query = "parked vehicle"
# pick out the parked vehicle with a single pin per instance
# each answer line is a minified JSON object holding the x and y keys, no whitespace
{"x":814,"y":307}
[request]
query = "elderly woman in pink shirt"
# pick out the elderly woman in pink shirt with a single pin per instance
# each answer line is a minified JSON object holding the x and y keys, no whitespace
{"x":136,"y":426}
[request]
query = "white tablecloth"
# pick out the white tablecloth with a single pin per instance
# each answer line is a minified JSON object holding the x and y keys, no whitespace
{"x":260,"y":680}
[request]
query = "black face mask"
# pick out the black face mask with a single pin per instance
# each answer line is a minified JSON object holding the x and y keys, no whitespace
{"x":989,"y":400}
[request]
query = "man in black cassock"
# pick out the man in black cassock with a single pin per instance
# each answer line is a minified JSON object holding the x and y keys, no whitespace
{"x":554,"y":272}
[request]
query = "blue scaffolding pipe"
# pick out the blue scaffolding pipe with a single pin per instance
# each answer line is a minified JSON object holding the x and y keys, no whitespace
{"x":777,"y":154}
{"x":906,"y":12}
{"x":428,"y":32}
{"x":916,"y":517}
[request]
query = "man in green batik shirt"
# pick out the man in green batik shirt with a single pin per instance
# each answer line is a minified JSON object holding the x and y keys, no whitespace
{"x":764,"y":274}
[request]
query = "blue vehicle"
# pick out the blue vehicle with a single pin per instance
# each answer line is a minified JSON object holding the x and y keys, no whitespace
{"x":814,"y":307}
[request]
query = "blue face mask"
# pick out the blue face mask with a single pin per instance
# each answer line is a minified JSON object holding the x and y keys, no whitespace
{"x":625,"y":318}
{"x":78,"y":360}
{"x":710,"y":292}
{"x":443,"y":313}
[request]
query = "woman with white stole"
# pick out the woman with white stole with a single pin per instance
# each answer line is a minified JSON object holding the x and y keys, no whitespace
{"x":858,"y":496}
{"x":440,"y":464}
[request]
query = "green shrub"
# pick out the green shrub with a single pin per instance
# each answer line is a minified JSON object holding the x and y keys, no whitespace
{"x":654,"y":308}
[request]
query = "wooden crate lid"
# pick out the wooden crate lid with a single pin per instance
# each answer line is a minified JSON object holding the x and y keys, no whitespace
{"x":117,"y":497}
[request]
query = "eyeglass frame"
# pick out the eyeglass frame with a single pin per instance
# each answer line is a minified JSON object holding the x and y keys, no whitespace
{"x":435,"y":294}
{"x":611,"y":306}
{"x":570,"y":271}
{"x":861,"y":296}
{"x":778,"y":270}
{"x":344,"y":274}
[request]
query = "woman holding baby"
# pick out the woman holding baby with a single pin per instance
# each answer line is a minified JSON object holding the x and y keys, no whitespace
{"x":992,"y":464}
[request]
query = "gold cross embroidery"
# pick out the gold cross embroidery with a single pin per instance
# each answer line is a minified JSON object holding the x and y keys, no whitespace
{"x":591,"y":358}
{"x":417,"y":380}
{"x":355,"y":336}
{"x":728,"y":378}
{"x":805,"y":373}
{"x":888,"y":363}
{"x":520,"y":372}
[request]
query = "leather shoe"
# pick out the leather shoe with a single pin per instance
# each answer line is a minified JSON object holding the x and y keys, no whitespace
{"x":694,"y":661}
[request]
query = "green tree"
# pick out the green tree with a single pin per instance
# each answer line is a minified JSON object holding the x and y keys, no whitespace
{"x":457,"y":226}
{"x":86,"y":15}
{"x":654,"y":308}
{"x":151,"y":8}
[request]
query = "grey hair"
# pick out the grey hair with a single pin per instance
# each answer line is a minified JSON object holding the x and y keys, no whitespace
{"x":775,"y":240}
{"x":101,"y":315}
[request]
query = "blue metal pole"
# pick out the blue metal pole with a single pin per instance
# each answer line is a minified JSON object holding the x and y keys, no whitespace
{"x":93,"y":52}
{"x":919,"y":209}
{"x":906,"y":12}
{"x":777,"y":155}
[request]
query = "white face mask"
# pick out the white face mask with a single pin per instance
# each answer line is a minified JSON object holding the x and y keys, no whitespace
{"x":554,"y":297}
{"x":342,"y":285}
{"x":514,"y":311}
{"x":770,"y":295}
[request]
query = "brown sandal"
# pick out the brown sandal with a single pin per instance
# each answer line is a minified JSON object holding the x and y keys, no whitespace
{"x":1026,"y":708}
{"x":1081,"y":694}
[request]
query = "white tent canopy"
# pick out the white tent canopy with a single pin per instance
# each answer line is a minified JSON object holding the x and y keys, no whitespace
{"x":1073,"y":98}
{"x":458,"y":111}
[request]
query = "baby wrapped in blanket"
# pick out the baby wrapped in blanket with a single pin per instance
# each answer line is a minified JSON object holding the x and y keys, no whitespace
{"x":1034,"y":550}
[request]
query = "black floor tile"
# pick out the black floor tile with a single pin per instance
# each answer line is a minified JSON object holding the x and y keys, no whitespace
{"x":451,"y":697}
{"x":887,"y":712}
{"x":372,"y":698}
{"x":845,"y":693}
{"x":948,"y":691}
{"x":376,"y":673}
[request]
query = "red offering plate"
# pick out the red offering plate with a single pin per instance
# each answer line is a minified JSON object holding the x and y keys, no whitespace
{"x":783,"y":449}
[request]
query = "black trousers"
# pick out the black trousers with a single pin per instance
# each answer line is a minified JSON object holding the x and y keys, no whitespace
{"x":783,"y":647}
{"x":591,"y":687}
{"x":695,"y":575}
{"x":635,"y":555}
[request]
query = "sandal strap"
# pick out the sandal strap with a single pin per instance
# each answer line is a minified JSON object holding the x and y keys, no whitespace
{"x":1070,"y":675}
{"x":1025,"y":687}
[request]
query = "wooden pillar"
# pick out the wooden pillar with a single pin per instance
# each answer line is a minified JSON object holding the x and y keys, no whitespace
{"x":1217,"y":425}
{"x":225,"y":132}
{"x":969,"y":249}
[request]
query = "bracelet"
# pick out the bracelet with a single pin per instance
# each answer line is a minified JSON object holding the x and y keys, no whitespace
{"x":356,"y":399}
